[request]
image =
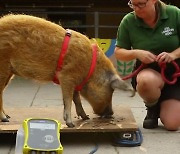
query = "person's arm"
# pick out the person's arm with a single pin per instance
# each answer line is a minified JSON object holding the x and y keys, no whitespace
{"x":123,"y":45}
{"x":127,"y":55}
{"x":124,"y":54}
{"x":176,"y":53}
{"x":168,"y":57}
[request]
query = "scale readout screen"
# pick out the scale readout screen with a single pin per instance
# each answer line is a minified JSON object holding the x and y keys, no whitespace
{"x":34,"y":125}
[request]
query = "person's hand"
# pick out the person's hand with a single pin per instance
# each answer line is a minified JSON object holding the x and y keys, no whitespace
{"x":145,"y":56}
{"x":165,"y":57}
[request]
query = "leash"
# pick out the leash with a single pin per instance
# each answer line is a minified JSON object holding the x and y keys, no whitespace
{"x":135,"y":72}
{"x":163,"y":68}
{"x":174,"y":76}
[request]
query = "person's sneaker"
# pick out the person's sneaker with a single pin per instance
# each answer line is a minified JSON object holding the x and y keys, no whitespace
{"x":151,"y":119}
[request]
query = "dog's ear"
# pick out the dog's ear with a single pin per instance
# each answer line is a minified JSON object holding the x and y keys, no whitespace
{"x":117,"y":82}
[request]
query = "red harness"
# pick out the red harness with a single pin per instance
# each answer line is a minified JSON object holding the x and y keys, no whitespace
{"x":62,"y":55}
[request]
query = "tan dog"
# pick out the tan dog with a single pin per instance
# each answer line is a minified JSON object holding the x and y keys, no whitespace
{"x":30,"y":48}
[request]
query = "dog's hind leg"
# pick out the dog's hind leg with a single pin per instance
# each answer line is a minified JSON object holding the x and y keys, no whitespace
{"x":79,"y":109}
{"x":4,"y":80}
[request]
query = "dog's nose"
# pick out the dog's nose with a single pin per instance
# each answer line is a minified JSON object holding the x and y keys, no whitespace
{"x":107,"y":112}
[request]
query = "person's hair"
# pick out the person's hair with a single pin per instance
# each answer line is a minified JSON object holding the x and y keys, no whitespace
{"x":158,"y":4}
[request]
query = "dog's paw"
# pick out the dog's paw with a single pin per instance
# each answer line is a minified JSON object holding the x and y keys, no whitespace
{"x":4,"y":117}
{"x":106,"y":117}
{"x":7,"y":116}
{"x":70,"y":125}
{"x":5,"y":120}
{"x":86,"y":117}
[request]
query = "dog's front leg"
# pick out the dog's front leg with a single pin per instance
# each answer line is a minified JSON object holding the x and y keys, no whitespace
{"x":67,"y":92}
{"x":3,"y":116}
{"x":5,"y":77}
{"x":67,"y":111}
{"x":79,"y":109}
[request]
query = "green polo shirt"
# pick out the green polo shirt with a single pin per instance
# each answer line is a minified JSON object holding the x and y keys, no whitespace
{"x":165,"y":36}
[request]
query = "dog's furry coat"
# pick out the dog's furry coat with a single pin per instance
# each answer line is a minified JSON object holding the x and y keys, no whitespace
{"x":30,"y":47}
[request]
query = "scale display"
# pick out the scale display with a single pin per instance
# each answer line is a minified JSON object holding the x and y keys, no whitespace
{"x":41,"y":135}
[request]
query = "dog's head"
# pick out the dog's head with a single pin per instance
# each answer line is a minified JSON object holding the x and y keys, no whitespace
{"x":100,"y":87}
{"x":99,"y":92}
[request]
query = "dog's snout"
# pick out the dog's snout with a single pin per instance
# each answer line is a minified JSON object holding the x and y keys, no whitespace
{"x":108,"y":112}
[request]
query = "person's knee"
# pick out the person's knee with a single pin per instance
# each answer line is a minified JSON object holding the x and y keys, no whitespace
{"x":147,"y":81}
{"x":170,"y":114}
{"x":143,"y":82}
{"x":170,"y":124}
{"x":144,"y":85}
{"x":148,"y":88}
{"x":148,"y":78}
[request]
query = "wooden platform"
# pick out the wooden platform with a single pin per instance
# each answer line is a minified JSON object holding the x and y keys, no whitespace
{"x":123,"y":119}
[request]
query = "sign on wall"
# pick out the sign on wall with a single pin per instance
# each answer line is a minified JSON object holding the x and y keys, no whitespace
{"x":108,"y":46}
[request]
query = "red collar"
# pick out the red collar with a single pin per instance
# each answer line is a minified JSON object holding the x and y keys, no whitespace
{"x":61,"y":58}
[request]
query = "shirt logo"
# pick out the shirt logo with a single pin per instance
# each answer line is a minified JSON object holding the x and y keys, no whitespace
{"x":168,"y":31}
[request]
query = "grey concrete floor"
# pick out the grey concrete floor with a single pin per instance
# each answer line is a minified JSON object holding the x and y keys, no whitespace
{"x":26,"y":93}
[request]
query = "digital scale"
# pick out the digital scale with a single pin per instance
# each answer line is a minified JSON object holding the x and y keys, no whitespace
{"x":39,"y":136}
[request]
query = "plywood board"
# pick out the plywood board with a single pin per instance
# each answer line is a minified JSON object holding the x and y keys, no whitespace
{"x":123,"y":119}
